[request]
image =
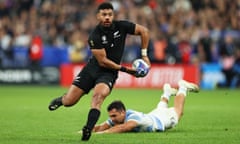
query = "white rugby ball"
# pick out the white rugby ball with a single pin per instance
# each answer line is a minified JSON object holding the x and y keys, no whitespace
{"x":140,"y":64}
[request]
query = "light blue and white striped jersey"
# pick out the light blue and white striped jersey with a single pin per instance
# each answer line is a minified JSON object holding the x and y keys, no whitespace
{"x":146,"y":122}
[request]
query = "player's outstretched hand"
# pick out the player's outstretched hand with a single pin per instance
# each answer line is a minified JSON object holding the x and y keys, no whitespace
{"x":137,"y":72}
{"x":131,"y":71}
{"x":141,"y":72}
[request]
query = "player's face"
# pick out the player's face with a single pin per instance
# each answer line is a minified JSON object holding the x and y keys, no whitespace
{"x":105,"y":17}
{"x":117,"y":116}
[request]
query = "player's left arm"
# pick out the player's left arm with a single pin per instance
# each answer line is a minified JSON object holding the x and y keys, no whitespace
{"x":144,"y":34}
{"x":126,"y":127}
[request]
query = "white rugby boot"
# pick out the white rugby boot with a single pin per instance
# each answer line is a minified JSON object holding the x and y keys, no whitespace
{"x":168,"y":89}
{"x":191,"y":87}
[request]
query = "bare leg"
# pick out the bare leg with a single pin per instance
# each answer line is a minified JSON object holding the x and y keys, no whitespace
{"x":179,"y":104}
{"x":72,"y":96}
{"x":184,"y":87}
{"x":101,"y":91}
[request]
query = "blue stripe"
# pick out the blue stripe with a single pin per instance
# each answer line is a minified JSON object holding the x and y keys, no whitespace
{"x":160,"y":126}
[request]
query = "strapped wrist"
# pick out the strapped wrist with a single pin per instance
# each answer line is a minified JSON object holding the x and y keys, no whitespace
{"x":123,"y":69}
{"x":144,"y":52}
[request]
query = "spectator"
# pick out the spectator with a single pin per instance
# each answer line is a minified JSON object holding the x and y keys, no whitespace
{"x":6,"y":52}
{"x":57,"y":21}
{"x":227,"y":52}
{"x":205,"y":46}
{"x":36,"y":51}
{"x":235,"y":82}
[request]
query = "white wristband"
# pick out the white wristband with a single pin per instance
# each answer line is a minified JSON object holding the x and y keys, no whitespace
{"x":144,"y":52}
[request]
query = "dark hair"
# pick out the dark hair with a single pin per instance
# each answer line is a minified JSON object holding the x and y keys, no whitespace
{"x":105,"y":5}
{"x":118,"y":105}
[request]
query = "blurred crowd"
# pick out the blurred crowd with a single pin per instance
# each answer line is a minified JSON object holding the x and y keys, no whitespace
{"x":182,"y":31}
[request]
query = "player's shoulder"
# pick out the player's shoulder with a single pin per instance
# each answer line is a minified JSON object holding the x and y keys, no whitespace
{"x":125,"y":26}
{"x":95,"y":33}
{"x":131,"y":112}
{"x":122,"y":22}
{"x":95,"y":30}
{"x":133,"y":115}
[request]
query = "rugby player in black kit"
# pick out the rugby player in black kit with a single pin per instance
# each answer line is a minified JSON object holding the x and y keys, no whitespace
{"x":100,"y":73}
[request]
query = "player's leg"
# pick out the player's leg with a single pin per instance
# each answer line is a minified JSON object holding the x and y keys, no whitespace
{"x":162,"y":110}
{"x":82,"y":84}
{"x":102,"y":89}
{"x":70,"y":98}
{"x":100,"y":92}
{"x":168,"y":91}
{"x":184,"y":87}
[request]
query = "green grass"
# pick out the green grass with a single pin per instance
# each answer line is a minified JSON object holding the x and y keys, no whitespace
{"x":211,"y":117}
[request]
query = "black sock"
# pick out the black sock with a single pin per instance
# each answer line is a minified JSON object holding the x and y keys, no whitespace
{"x":93,"y":116}
{"x":58,"y":101}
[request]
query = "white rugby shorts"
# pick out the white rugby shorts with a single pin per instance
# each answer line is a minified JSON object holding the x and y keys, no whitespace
{"x":167,"y":116}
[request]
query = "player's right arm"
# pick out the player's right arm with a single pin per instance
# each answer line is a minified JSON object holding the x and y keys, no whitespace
{"x":100,"y":55}
{"x":98,"y":51}
{"x":101,"y":127}
{"x":103,"y":61}
{"x":125,"y":127}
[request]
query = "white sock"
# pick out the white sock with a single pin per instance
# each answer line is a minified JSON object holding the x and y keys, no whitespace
{"x":182,"y":90}
{"x":166,"y":95}
{"x":162,"y":104}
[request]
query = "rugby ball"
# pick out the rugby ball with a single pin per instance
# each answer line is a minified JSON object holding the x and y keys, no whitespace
{"x":141,"y":66}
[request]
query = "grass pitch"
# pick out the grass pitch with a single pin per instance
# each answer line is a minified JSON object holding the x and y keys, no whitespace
{"x":210,"y":117}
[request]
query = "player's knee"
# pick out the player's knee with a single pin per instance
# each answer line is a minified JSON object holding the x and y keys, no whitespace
{"x":98,"y":99}
{"x":99,"y":96}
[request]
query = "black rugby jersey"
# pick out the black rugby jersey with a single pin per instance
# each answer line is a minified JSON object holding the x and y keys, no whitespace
{"x":112,"y":39}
